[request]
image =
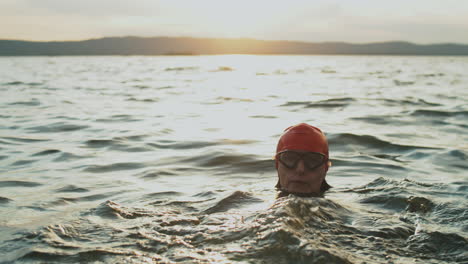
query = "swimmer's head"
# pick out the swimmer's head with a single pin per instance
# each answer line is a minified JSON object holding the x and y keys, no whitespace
{"x":302,"y":160}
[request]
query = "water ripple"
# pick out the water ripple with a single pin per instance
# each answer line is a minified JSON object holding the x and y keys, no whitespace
{"x":119,"y":166}
{"x":56,"y":128}
{"x":4,"y":184}
{"x":347,"y":140}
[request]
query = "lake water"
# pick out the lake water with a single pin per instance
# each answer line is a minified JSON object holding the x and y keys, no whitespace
{"x":169,"y":159}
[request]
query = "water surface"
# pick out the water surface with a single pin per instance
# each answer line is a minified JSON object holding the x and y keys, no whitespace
{"x":169,"y":159}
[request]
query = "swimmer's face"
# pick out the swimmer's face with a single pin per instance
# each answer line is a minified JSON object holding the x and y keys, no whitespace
{"x":301,"y":179}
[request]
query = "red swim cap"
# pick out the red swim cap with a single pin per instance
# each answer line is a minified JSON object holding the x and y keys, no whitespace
{"x":303,"y":137}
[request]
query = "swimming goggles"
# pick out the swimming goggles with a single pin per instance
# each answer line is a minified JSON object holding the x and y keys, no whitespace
{"x":290,"y":159}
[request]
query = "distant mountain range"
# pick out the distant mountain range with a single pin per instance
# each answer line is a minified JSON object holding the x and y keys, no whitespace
{"x":202,"y":46}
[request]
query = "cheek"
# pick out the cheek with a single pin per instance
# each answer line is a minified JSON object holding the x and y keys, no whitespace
{"x":282,"y":174}
{"x":315,"y":177}
{"x":320,"y":173}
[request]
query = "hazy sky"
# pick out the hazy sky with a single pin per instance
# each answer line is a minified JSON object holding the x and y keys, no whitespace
{"x":357,"y":21}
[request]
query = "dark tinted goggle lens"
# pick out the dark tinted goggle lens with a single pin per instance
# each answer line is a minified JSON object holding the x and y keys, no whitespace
{"x":312,"y":160}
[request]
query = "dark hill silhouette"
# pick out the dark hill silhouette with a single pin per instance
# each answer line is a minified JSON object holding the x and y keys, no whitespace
{"x":195,"y":46}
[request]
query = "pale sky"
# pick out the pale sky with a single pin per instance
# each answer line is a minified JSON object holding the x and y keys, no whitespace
{"x":355,"y":21}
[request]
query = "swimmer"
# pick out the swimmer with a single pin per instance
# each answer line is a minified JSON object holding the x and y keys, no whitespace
{"x":302,"y":161}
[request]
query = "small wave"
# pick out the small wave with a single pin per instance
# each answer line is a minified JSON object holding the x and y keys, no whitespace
{"x":66,"y":201}
{"x":263,"y":116}
{"x":144,"y":100}
{"x":234,"y":200}
{"x":410,"y":198}
{"x":153,"y":174}
{"x":24,"y":85}
{"x":177,"y":69}
{"x":425,"y":103}
{"x":205,"y":194}
{"x":14,"y":83}
{"x":133,"y":138}
{"x":233,"y":163}
{"x":165,"y":87}
{"x":461,"y":186}
{"x":382,"y":182}
{"x":400,"y":195}
{"x":408,"y":101}
{"x":33,"y":102}
{"x":35,"y":208}
{"x":458,"y":154}
{"x":385,"y":120}
{"x":428,"y":75}
{"x":93,"y":197}
{"x":72,"y":189}
{"x":162,"y":195}
{"x":119,"y":166}
{"x":294,"y":103}
{"x":100,"y":143}
{"x":443,"y":246}
{"x":451,"y":213}
{"x":186,"y":205}
{"x":65,"y":156}
{"x":328,"y":71}
{"x":118,"y":118}
{"x":402,"y":83}
{"x":64,"y":117}
{"x":118,"y":144}
{"x":223,"y":100}
{"x":22,"y":162}
{"x":366,"y":166}
{"x":113,"y":210}
{"x":56,"y":127}
{"x":84,"y":256}
{"x":393,"y":200}
{"x":3,"y":142}
{"x":218,"y":159}
{"x":401,"y":232}
{"x":237,"y":141}
{"x":451,"y":160}
{"x":25,"y":140}
{"x":169,"y":144}
{"x":4,"y":200}
{"x":419,"y":204}
{"x":329,"y":103}
{"x":4,"y":184}
{"x":367,"y":141}
{"x":113,"y":141}
{"x":46,"y":152}
{"x":439,"y":113}
{"x":141,"y":86}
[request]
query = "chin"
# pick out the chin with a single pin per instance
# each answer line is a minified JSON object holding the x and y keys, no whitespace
{"x":299,"y":188}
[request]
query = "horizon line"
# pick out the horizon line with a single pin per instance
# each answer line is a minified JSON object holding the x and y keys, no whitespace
{"x":242,"y":38}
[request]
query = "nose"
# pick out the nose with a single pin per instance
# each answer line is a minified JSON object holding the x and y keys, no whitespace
{"x":300,"y":168}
